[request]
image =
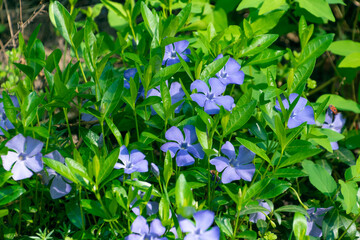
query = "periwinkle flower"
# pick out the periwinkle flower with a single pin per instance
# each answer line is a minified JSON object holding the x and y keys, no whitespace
{"x":254,"y":217}
{"x":230,"y":73}
{"x":133,"y":162}
{"x":300,"y":113}
{"x":182,"y":148}
{"x":199,"y":231}
{"x":4,"y":121}
{"x":315,"y":221}
{"x":211,"y":100}
{"x":27,"y":156}
{"x":334,"y":122}
{"x":170,"y":56}
{"x":155,"y":170}
{"x":59,"y":186}
{"x":141,"y":231}
{"x":176,"y":92}
{"x":236,"y":168}
{"x":128,"y":74}
{"x":151,"y":207}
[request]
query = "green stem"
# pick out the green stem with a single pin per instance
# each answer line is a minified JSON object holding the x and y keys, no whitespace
{"x":136,"y":125}
{"x":81,"y":68}
{"x":298,"y":197}
{"x":49,"y":131}
{"x":236,"y":225}
{"x":20,"y":201}
{"x":81,"y":211}
{"x":354,"y":220}
{"x":68,"y":127}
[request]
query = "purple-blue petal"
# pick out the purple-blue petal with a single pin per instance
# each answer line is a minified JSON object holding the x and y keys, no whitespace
{"x":9,"y":160}
{"x":172,"y":147}
{"x":140,"y":226}
{"x":200,"y":86}
{"x":216,"y":86}
{"x":174,"y":134}
{"x":180,"y":46}
{"x":183,"y":158}
{"x":20,"y":171}
{"x":210,"y":107}
{"x":17,"y":143}
{"x":190,"y":134}
{"x":199,"y":98}
{"x":34,"y":163}
{"x":246,"y":172}
{"x":229,"y":175}
{"x":136,"y":156}
{"x":157,"y":228}
{"x":225,"y":101}
{"x":59,"y":187}
{"x":196,"y":150}
{"x":130,"y":73}
{"x":186,"y":225}
{"x":229,"y":150}
{"x":220,"y":163}
{"x":212,"y":234}
{"x":204,"y":219}
{"x":245,"y":155}
{"x":124,"y":154}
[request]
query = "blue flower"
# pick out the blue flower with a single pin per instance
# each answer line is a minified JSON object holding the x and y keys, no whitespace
{"x":4,"y":121}
{"x":128,"y":74}
{"x":300,"y":114}
{"x":230,"y":73}
{"x":211,"y":100}
{"x":181,"y":147}
{"x":315,"y":221}
{"x":254,"y":217}
{"x":199,"y":231}
{"x":170,"y":56}
{"x":236,"y":168}
{"x":133,"y":162}
{"x":334,"y":122}
{"x":176,"y":92}
{"x":141,"y":230}
{"x":26,"y":156}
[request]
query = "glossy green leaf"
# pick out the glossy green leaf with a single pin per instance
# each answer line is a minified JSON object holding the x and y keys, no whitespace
{"x":301,"y":75}
{"x":4,"y":176}
{"x":274,"y":189}
{"x":9,"y":107}
{"x":10,"y":193}
{"x":315,"y":47}
{"x":264,"y":23}
{"x":344,"y":47}
{"x":299,"y":226}
{"x":62,"y":20}
{"x":111,"y":98}
{"x":249,"y":4}
{"x":351,"y":61}
{"x":271,"y":5}
{"x":93,"y":207}
{"x":299,"y":156}
{"x":108,"y":165}
{"x":239,"y":116}
{"x":184,"y":197}
{"x":202,"y":133}
{"x":292,"y":208}
{"x":73,"y":212}
{"x":349,"y":191}
{"x":143,"y":186}
{"x":168,"y":168}
{"x":340,"y":103}
{"x":258,"y":44}
{"x":266,"y":56}
{"x":254,"y":148}
{"x":29,"y":71}
{"x":213,"y":68}
{"x":224,"y":225}
{"x":60,"y":168}
{"x":320,"y":178}
{"x":319,"y":8}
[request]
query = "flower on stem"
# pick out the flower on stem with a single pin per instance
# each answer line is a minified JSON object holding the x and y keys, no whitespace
{"x":59,"y":186}
{"x":176,"y":92}
{"x":170,"y":56}
{"x":141,"y":230}
{"x":334,"y":122}
{"x":182,"y":148}
{"x":133,"y":162}
{"x":315,"y":221}
{"x":4,"y":121}
{"x":254,"y":217}
{"x":27,"y":156}
{"x":230,"y":73}
{"x":155,"y":170}
{"x":211,"y":100}
{"x":198,"y":231}
{"x":236,"y":168}
{"x":300,"y":114}
{"x":151,"y":207}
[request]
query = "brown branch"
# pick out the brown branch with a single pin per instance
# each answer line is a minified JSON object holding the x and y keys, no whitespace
{"x":27,"y":22}
{"x":10,"y":24}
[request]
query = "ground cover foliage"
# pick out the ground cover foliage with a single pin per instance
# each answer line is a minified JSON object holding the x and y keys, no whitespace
{"x":198,"y":120}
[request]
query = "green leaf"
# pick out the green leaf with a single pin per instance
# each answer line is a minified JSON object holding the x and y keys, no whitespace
{"x":351,"y":61}
{"x":301,"y":75}
{"x":29,"y":108}
{"x":29,"y":71}
{"x":111,"y":97}
{"x":225,"y":225}
{"x":271,"y":5}
{"x":184,"y":197}
{"x":349,"y":191}
{"x":299,"y":226}
{"x":79,"y":172}
{"x":344,"y":47}
{"x":93,"y":207}
{"x":256,"y":188}
{"x":164,"y":74}
{"x":292,"y":208}
{"x":250,"y":209}
{"x":320,"y":178}
{"x":10,"y":193}
{"x":150,"y":20}
{"x":3,"y":212}
{"x":164,"y":209}
{"x":340,"y":103}
{"x":9,"y":107}
{"x":289,"y":173}
{"x":331,"y":224}
{"x":299,"y":156}
{"x":258,"y":44}
{"x":266,"y":56}
{"x":318,"y":8}
{"x":249,"y":4}
{"x":234,"y":196}
{"x":166,"y":98}
{"x":184,"y":15}
{"x":41,"y":131}
{"x":143,"y":186}
{"x":108,"y":165}
{"x":201,"y":133}
{"x":213,"y":68}
{"x":274,"y":189}
{"x":239,"y":116}
{"x":73,"y":212}
{"x":62,"y":21}
{"x":4,"y":176}
{"x":53,"y":60}
{"x":316,"y":47}
{"x":115,"y":131}
{"x":168,"y":168}
{"x":254,"y":148}
{"x":60,"y":168}
{"x":264,"y":23}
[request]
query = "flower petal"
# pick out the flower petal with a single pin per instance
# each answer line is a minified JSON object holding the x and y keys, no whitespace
{"x":157,"y":228}
{"x":136,"y":156}
{"x":180,"y":46}
{"x":183,"y":158}
{"x":229,"y":175}
{"x":124,"y":154}
{"x":225,"y":101}
{"x":130,"y":73}
{"x":200,"y":86}
{"x":59,"y":187}
{"x":204,"y":219}
{"x":9,"y":159}
{"x":196,"y":150}
{"x":306,"y":115}
{"x":176,"y":92}
{"x":34,"y":163}
{"x":17,"y":143}
{"x":199,"y":98}
{"x":152,"y":208}
{"x":140,"y":226}
{"x":212,"y":234}
{"x":33,"y":146}
{"x":235,"y":78}
{"x":172,"y":147}
{"x":210,"y":107}
{"x":55,"y":155}
{"x":246,"y":172}
{"x":140,"y":166}
{"x":172,"y":61}
{"x":220,"y":163}
{"x":174,"y":134}
{"x":153,"y":92}
{"x":186,"y":225}
{"x":190,"y":134}
{"x":232,"y":66}
{"x":229,"y":150}
{"x":134,"y":237}
{"x":20,"y":171}
{"x":216,"y":86}
{"x":245,"y":155}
